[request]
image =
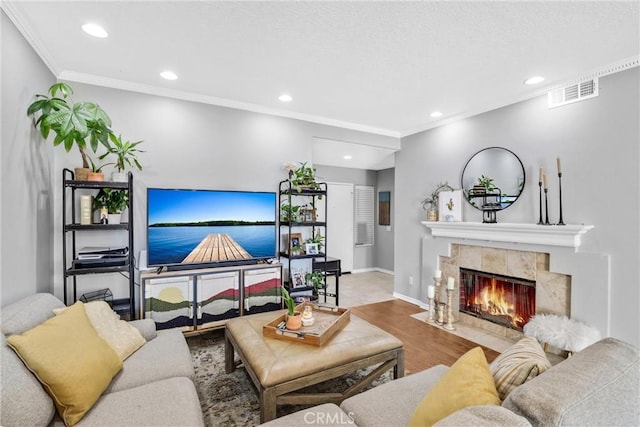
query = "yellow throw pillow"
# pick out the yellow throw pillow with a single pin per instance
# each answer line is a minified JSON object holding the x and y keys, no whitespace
{"x":120,"y":335}
{"x":518,"y":364}
{"x":71,"y":361}
{"x":467,"y":383}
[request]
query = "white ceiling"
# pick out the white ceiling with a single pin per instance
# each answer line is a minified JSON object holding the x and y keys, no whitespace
{"x":380,"y":67}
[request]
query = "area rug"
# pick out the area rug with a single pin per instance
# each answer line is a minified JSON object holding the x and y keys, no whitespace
{"x":231,"y":399}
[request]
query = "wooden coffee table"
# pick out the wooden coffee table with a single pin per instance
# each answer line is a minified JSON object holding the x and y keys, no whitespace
{"x":279,"y":369}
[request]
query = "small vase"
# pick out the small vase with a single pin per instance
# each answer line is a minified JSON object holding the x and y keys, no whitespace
{"x":432,"y":215}
{"x":118,"y":177}
{"x":294,"y":322}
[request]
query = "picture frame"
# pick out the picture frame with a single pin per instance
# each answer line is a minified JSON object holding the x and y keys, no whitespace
{"x":294,"y":240}
{"x":312,"y":248}
{"x":297,"y":277}
{"x":450,"y":206}
{"x":308,"y":215}
{"x":384,"y":208}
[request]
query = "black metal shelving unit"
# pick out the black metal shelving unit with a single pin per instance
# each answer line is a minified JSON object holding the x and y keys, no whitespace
{"x":291,"y":196}
{"x":70,"y":226}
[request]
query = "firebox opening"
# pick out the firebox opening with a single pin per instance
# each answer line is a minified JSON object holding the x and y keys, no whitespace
{"x":507,"y":301}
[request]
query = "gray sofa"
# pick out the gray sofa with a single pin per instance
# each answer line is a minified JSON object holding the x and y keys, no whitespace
{"x":155,"y":386}
{"x":598,"y":386}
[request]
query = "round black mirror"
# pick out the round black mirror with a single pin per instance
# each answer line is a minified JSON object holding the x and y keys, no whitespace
{"x":492,"y":180}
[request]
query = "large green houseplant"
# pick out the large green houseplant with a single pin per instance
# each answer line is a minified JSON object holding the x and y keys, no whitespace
{"x":83,"y":124}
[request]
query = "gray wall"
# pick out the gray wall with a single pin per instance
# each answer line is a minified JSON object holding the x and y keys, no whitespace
{"x":384,"y":234}
{"x":596,"y":139}
{"x":26,"y":235}
{"x":192,"y":145}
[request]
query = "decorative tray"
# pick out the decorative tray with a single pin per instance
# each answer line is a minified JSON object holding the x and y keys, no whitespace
{"x":327,"y":321}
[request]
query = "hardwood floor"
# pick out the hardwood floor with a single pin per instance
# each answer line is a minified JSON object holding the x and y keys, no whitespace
{"x":424,"y":345}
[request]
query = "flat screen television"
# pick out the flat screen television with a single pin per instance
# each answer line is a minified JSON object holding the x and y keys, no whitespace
{"x":199,"y":228}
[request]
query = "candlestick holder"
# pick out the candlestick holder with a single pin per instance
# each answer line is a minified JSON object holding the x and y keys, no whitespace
{"x":430,"y":318}
{"x":449,"y":325}
{"x":436,"y":303}
{"x":540,"y":208}
{"x":560,"y":222}
{"x":546,"y":208}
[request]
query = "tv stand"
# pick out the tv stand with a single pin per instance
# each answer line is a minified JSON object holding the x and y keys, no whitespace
{"x":194,"y":299}
{"x":195,"y":267}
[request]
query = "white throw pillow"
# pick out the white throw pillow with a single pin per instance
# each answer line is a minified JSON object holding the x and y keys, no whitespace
{"x":120,"y":335}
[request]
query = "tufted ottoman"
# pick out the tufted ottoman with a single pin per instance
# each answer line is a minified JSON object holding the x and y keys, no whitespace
{"x":279,"y":368}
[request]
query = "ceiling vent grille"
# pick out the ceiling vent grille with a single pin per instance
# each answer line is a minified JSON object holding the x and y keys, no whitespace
{"x":573,"y":93}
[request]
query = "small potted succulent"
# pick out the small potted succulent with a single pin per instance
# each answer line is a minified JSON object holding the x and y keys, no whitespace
{"x":430,"y":204}
{"x":294,"y":319}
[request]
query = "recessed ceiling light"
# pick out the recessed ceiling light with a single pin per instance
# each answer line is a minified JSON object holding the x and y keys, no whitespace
{"x":347,"y":157}
{"x":95,"y":30}
{"x":534,"y":80}
{"x":436,"y":114}
{"x":285,"y":98}
{"x":169,"y":75}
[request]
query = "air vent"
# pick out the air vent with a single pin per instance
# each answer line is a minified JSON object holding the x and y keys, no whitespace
{"x":573,"y":93}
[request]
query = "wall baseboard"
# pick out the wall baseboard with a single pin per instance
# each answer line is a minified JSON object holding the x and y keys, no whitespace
{"x":410,"y":300}
{"x":367,"y":270}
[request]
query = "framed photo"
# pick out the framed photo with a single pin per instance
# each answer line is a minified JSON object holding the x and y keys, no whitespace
{"x":297,"y":277}
{"x":450,"y":206}
{"x":312,"y":248}
{"x":308,"y":215}
{"x":294,"y":243}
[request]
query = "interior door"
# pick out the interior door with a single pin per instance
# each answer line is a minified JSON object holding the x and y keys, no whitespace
{"x":339,"y":224}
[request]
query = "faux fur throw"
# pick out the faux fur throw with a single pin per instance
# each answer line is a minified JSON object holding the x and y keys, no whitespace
{"x":562,"y":332}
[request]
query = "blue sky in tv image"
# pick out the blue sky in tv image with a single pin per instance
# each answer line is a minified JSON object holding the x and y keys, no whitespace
{"x":174,"y":218}
{"x":180,"y":206}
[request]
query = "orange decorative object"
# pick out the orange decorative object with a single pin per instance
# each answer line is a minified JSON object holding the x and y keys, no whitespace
{"x":294,"y":322}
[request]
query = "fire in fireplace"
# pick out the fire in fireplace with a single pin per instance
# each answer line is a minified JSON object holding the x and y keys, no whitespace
{"x":507,"y":301}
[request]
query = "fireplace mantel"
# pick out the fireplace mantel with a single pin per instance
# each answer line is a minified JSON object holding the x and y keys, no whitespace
{"x":552,"y":235}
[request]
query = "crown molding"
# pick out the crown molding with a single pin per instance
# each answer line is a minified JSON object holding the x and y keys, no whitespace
{"x":34,"y":42}
{"x":611,"y":68}
{"x":212,"y":100}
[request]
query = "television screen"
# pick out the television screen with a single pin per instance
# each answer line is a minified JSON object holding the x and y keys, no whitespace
{"x":207,"y":227}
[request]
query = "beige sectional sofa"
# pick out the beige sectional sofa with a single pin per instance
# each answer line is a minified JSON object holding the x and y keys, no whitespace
{"x":598,"y":386}
{"x":154,"y":388}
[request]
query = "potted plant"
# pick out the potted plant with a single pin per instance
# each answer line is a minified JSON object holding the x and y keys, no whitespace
{"x":485,"y":184}
{"x":430,"y":204}
{"x":96,"y":173}
{"x":315,"y":279}
{"x":289,"y":212}
{"x":114,"y":200}
{"x":125,"y":152}
{"x":302,"y":176}
{"x":81,"y":124}
{"x":294,"y":320}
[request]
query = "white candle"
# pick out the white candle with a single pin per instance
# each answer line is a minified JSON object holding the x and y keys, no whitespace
{"x":450,"y":283}
{"x":431,"y":292}
{"x":544,"y":181}
{"x":558,"y":162}
{"x":438,"y":274}
{"x":540,"y":176}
